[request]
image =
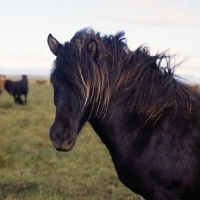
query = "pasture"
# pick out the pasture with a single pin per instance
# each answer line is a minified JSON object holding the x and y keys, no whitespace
{"x":30,"y":167}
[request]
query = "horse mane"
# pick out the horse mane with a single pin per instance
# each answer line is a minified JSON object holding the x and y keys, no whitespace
{"x":117,"y":74}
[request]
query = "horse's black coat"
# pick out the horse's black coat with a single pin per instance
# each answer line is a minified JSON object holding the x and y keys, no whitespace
{"x":18,"y":88}
{"x":148,"y":120}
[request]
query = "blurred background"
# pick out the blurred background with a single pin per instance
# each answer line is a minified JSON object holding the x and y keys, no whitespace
{"x":161,"y":25}
{"x":30,"y":167}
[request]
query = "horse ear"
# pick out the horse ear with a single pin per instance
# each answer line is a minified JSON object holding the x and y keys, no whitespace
{"x":54,"y":45}
{"x":92,"y":48}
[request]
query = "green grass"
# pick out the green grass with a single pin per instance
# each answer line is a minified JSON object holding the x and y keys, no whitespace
{"x":30,"y":167}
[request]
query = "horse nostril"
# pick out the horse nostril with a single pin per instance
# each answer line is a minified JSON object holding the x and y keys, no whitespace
{"x":59,"y":136}
{"x":51,"y":136}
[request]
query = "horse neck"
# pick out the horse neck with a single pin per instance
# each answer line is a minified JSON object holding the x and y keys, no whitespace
{"x":115,"y":128}
{"x":24,"y":82}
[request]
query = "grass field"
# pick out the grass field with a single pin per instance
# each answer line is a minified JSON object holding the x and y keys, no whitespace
{"x":30,"y":167}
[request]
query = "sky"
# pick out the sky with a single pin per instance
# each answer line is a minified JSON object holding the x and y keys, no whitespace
{"x":159,"y":24}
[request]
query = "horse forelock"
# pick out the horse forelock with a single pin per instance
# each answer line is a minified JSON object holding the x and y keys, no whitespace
{"x":118,"y":75}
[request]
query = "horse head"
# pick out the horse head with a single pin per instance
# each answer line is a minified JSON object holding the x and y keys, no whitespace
{"x":70,"y":115}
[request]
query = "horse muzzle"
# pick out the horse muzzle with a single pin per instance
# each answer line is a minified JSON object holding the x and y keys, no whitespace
{"x":62,"y":146}
{"x":61,"y":139}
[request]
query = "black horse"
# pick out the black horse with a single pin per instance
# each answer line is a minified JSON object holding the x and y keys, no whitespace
{"x":146,"y":116}
{"x":18,"y":88}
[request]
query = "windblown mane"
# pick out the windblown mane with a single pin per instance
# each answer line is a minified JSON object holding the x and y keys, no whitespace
{"x":115,"y":73}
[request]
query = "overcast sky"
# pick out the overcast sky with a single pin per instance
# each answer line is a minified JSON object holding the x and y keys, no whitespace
{"x":161,"y":25}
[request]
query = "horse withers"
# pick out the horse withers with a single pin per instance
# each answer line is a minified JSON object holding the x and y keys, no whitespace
{"x":18,"y":88}
{"x":148,"y":119}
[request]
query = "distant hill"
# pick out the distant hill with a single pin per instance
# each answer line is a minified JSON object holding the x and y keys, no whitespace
{"x":34,"y":77}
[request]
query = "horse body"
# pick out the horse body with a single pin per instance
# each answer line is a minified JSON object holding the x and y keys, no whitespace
{"x":148,"y":159}
{"x":18,"y":88}
{"x":2,"y":83}
{"x":148,"y":120}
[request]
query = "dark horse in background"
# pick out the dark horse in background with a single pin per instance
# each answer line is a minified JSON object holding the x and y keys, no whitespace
{"x":148,"y":119}
{"x":18,"y":88}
